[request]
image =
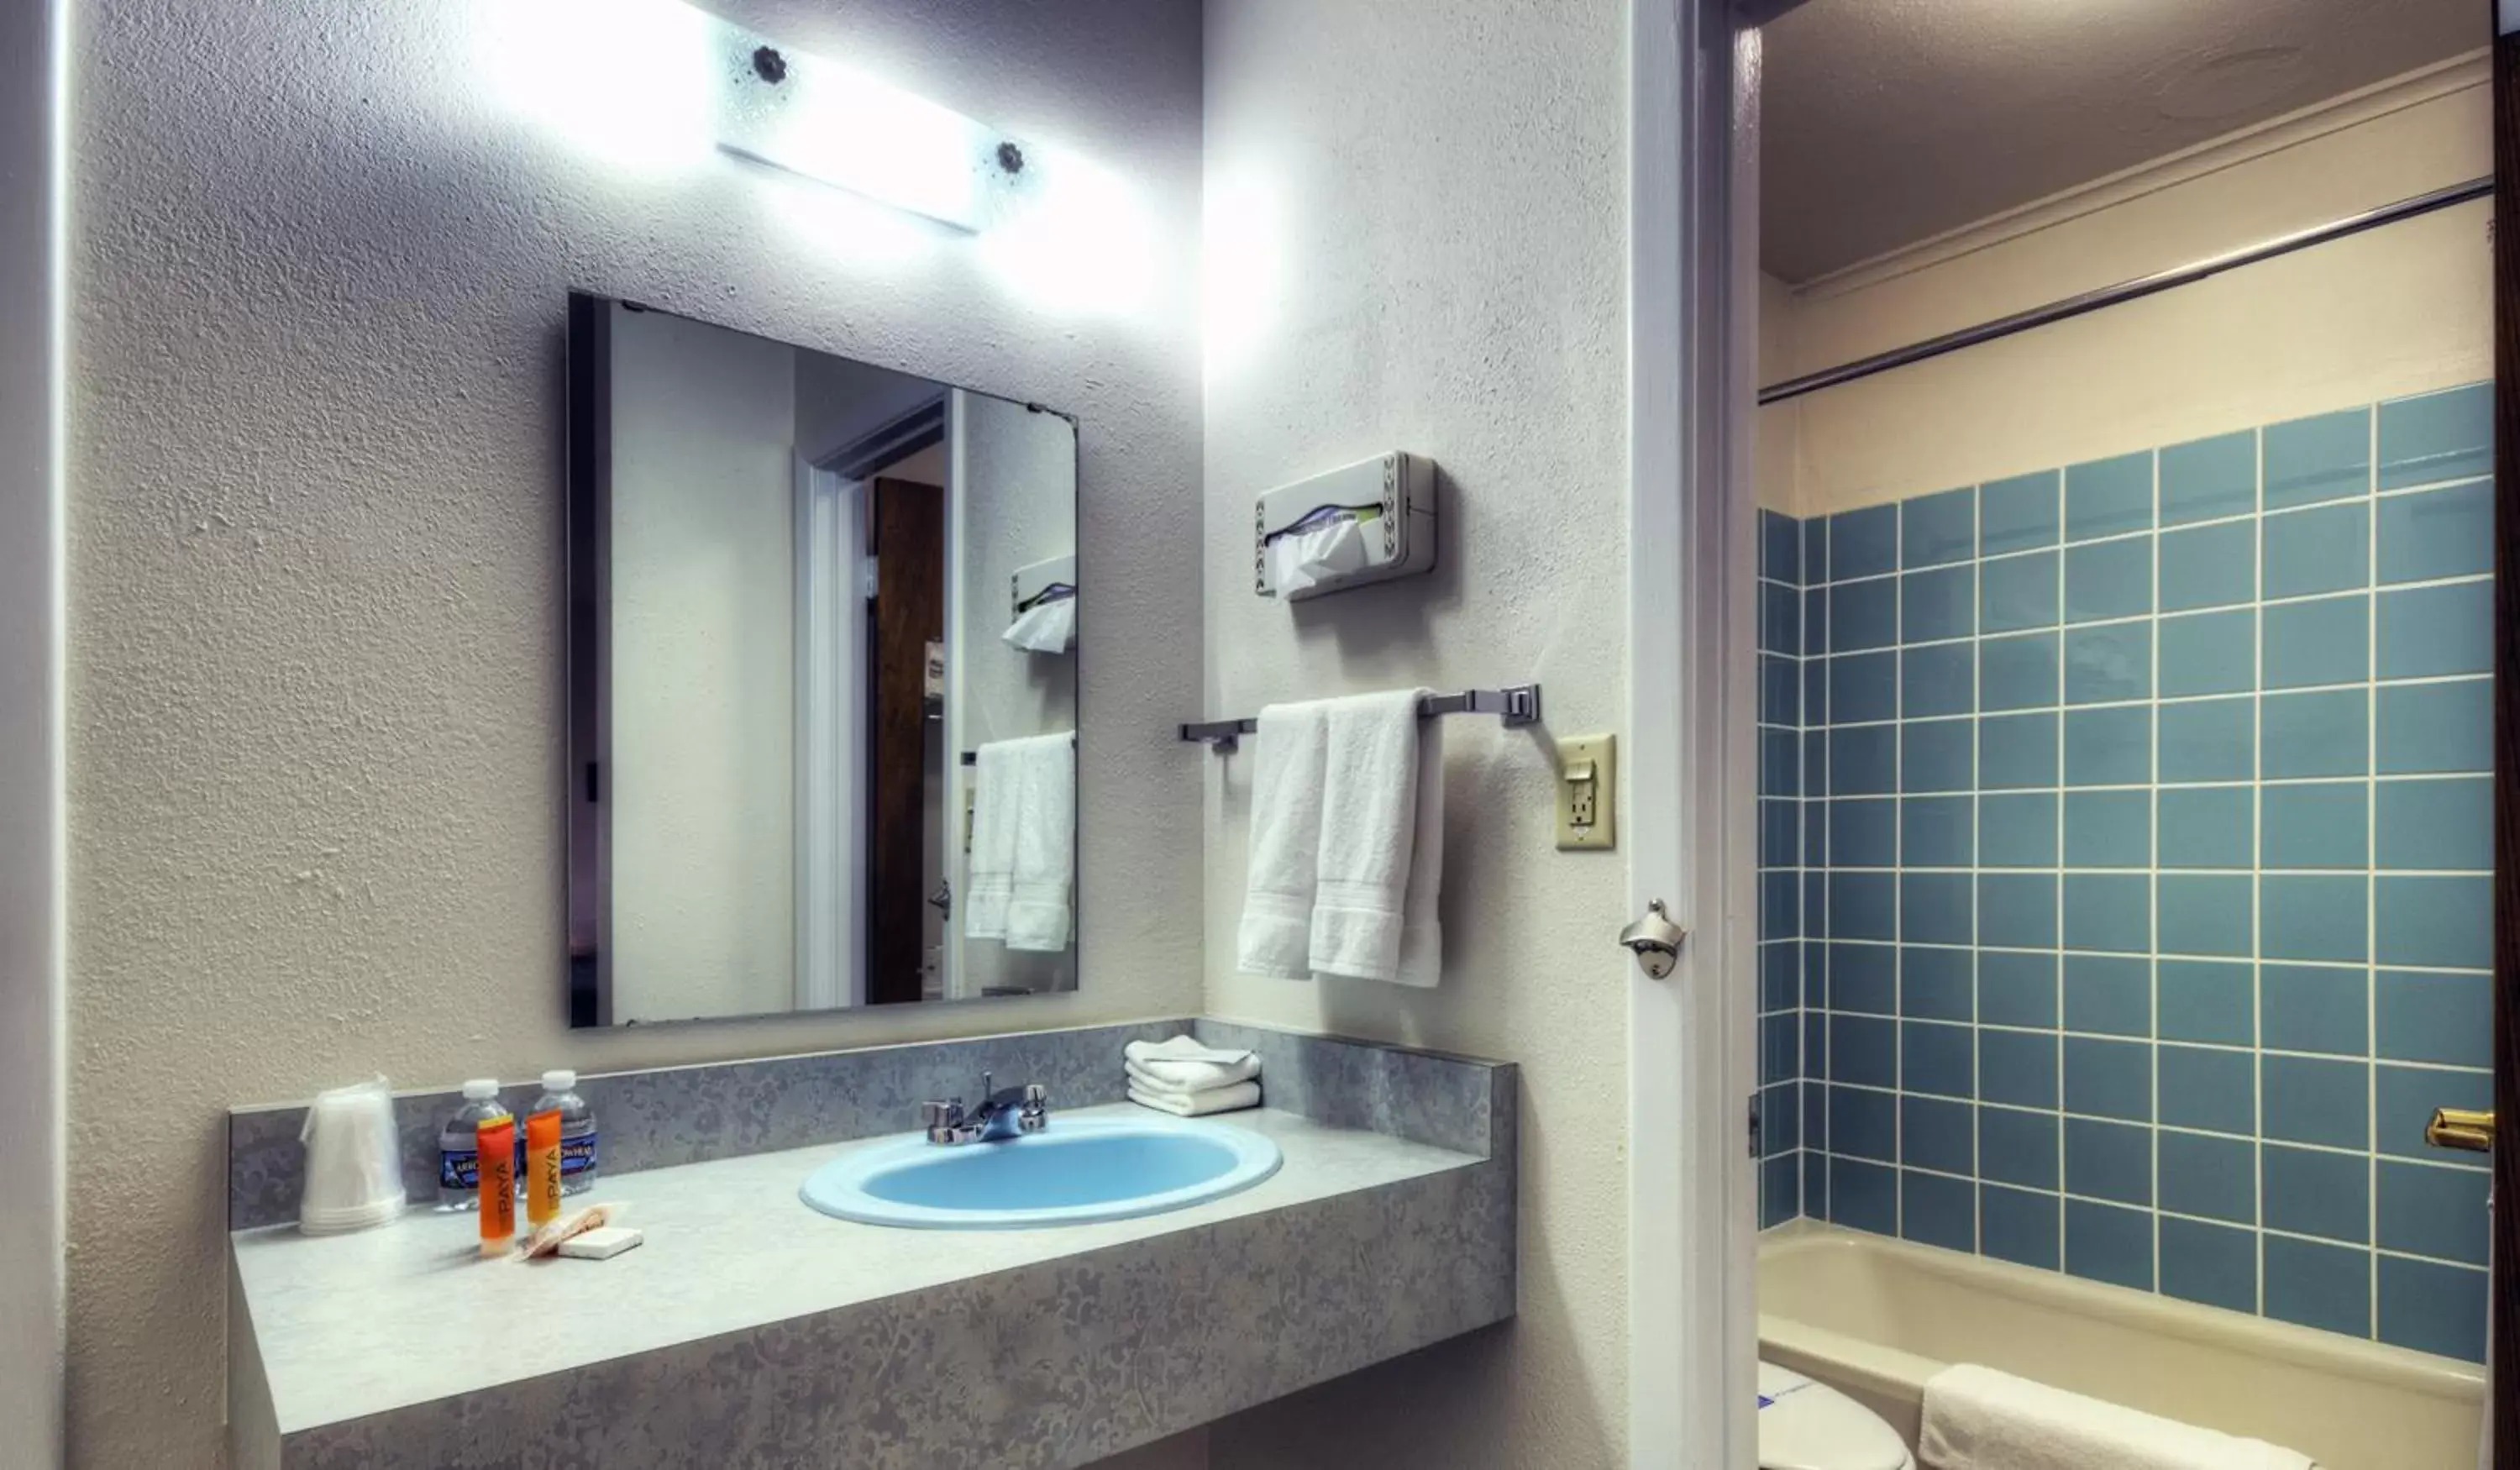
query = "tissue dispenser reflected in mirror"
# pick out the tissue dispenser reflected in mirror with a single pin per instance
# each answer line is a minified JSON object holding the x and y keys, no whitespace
{"x":1367,"y":522}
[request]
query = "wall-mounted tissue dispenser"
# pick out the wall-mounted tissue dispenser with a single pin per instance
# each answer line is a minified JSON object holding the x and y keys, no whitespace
{"x":1044,"y":582}
{"x":1367,"y":522}
{"x":1045,"y":606}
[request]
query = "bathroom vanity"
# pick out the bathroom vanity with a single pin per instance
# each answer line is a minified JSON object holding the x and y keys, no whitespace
{"x":751,"y":1329}
{"x":825,"y":728}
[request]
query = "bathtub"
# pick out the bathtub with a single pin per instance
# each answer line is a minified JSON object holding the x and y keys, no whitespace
{"x":1875,"y":1317}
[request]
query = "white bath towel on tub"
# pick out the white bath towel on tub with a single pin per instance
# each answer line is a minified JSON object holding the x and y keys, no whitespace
{"x":1979,"y":1419}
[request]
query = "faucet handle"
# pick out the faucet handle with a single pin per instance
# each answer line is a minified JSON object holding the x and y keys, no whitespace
{"x":937,"y":1114}
{"x":1036,"y":1095}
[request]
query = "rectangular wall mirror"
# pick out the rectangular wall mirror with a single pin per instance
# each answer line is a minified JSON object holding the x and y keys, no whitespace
{"x":822,"y":648}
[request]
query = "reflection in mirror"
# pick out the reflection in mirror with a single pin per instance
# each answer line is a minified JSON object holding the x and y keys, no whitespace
{"x":822,"y":641}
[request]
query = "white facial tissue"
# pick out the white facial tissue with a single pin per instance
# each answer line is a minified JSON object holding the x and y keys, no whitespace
{"x":1300,"y":560}
{"x":1045,"y":627}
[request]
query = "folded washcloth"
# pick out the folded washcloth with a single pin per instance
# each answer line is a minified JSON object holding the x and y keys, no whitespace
{"x":1979,"y":1419}
{"x":1208,"y":1080}
{"x":1180,"y":1065}
{"x":1242,"y":1094}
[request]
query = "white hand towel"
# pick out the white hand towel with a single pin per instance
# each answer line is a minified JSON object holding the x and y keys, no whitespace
{"x":990,"y":870}
{"x":1199,"y":1104}
{"x":1421,"y":929}
{"x":1023,"y":843}
{"x":1040,"y":902}
{"x":1369,"y":834}
{"x":1181,"y":1064}
{"x":1979,"y":1419}
{"x":1276,"y":934}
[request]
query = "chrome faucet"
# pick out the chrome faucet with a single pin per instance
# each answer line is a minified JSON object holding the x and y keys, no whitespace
{"x":1002,"y":1113}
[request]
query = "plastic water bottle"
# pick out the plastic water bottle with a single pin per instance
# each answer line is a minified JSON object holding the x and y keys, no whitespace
{"x":459,"y":1157}
{"x":577,"y":1152}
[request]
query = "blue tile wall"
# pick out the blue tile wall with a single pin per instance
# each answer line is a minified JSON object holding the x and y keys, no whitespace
{"x":1793,"y":828}
{"x":2126,"y":861}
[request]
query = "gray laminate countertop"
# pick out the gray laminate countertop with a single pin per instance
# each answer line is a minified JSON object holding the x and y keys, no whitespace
{"x":349,"y":1326}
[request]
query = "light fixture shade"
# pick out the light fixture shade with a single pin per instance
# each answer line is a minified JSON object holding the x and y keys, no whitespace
{"x":829,"y":122}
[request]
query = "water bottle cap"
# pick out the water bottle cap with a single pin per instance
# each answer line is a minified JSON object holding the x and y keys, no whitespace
{"x":479,"y":1088}
{"x":560,"y":1079}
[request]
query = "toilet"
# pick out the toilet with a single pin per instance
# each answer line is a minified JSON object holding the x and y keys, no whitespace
{"x":1806,"y":1425}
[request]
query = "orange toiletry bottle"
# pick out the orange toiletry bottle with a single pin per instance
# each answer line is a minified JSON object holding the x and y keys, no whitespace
{"x":497,"y":1156}
{"x":542,"y":1167}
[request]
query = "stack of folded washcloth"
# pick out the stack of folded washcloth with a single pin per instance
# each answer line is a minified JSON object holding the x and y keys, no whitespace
{"x":1181,"y":1077}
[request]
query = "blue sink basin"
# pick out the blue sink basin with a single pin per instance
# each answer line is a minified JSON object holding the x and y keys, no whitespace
{"x":1079,"y":1171}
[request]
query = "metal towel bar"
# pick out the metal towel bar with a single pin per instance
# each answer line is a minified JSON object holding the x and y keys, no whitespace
{"x":1516,"y":705}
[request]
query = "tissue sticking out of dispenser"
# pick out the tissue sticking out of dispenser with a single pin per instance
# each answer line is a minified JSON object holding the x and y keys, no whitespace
{"x":1366,"y":523}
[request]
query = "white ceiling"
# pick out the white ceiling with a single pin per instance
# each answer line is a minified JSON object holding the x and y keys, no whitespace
{"x":1889,"y":121}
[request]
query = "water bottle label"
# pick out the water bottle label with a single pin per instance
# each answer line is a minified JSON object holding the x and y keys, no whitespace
{"x":459,"y":1168}
{"x":578,"y":1154}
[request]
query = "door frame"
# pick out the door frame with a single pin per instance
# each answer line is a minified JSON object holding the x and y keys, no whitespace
{"x":2502,"y":1414}
{"x":33,"y":660}
{"x":832,"y":483}
{"x":1692,"y":680}
{"x":831,"y":738}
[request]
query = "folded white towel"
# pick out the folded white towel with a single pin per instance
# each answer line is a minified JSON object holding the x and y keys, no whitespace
{"x":1240,"y":1095}
{"x":1979,"y":1419}
{"x":1276,"y":936}
{"x":1186,"y":1049}
{"x":1369,"y":834}
{"x":1184,"y":1079}
{"x":1023,"y":843}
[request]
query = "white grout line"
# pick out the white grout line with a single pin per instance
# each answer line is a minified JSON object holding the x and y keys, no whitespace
{"x":2372,"y":855}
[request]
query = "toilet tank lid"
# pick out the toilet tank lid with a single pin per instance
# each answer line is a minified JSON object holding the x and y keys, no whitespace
{"x":1805,"y":1425}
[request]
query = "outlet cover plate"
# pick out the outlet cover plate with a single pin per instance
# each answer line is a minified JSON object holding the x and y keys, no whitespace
{"x":1588,"y":793}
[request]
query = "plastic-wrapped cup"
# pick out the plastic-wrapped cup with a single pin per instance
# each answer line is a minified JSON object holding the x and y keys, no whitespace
{"x":353,"y":1160}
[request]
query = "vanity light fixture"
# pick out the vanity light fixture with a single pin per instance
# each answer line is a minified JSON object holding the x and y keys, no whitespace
{"x":659,"y":85}
{"x":813,"y":117}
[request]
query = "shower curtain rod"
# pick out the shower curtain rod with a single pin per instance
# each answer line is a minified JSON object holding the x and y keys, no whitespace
{"x":2127,"y":290}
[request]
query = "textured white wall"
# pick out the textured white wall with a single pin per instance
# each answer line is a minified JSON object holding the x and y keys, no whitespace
{"x":702,"y":776}
{"x":1417,"y":239}
{"x":31,"y":1058}
{"x":316,"y":772}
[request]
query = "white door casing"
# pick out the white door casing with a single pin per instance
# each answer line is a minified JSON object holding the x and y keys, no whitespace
{"x":1692,"y":768}
{"x":33,"y":661}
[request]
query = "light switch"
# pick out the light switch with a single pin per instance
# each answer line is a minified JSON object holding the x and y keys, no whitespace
{"x":1587,"y":792}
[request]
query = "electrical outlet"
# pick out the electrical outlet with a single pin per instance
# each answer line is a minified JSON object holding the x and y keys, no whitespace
{"x":1587,"y":792}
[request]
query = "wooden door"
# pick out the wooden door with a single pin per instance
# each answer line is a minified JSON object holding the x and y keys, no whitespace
{"x":908,"y":613}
